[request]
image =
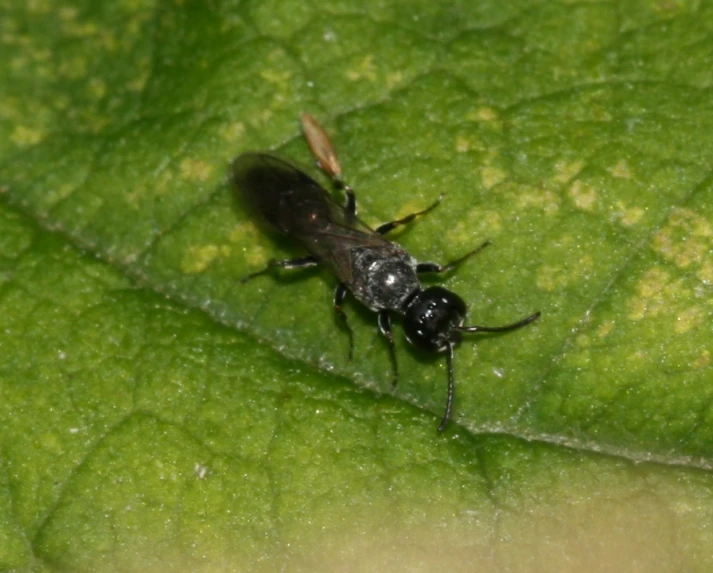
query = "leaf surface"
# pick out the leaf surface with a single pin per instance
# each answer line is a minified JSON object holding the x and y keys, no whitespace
{"x":158,"y":414}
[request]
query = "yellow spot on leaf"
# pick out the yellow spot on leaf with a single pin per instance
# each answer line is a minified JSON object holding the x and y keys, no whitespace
{"x":248,"y":236}
{"x":276,"y":76}
{"x":493,"y":220}
{"x":692,"y":222}
{"x":59,"y":193}
{"x":621,"y":170}
{"x":583,"y":195}
{"x":97,"y":88}
{"x":18,"y":63}
{"x":688,"y":319}
{"x":685,"y":240}
{"x":703,"y":360}
{"x":528,"y":197}
{"x":67,"y":13}
{"x":138,"y":83}
{"x":364,"y":71}
{"x":462,"y":144}
{"x":263,"y":117}
{"x":232,"y":132}
{"x":565,"y":171}
{"x":24,"y":135}
{"x":476,"y":223}
{"x":659,"y":294}
{"x":491,"y":176}
{"x":394,"y":80}
{"x":109,"y":41}
{"x":605,"y":329}
{"x":638,"y":356}
{"x":39,"y":6}
{"x":483,"y":113}
{"x":632,"y":216}
{"x":706,"y":272}
{"x":550,"y":278}
{"x":628,"y":216}
{"x":165,"y":182}
{"x":241,"y":231}
{"x":195,"y":170}
{"x":197,"y":259}
{"x":80,"y":29}
{"x":637,"y":309}
{"x":653,"y":282}
{"x":50,"y":441}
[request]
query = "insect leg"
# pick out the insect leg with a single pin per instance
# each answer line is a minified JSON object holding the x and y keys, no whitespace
{"x":436,"y":268}
{"x":350,"y":207}
{"x":339,"y":294}
{"x":385,"y":328}
{"x":386,"y":227}
{"x":451,"y":390}
{"x":301,"y":263}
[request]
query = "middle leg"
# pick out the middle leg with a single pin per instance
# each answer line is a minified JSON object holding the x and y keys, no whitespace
{"x":391,"y":225}
{"x":436,"y":268}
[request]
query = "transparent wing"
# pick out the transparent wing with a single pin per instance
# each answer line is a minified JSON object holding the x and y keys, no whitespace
{"x":296,"y":205}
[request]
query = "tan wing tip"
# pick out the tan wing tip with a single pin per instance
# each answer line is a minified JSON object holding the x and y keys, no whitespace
{"x":321,"y":145}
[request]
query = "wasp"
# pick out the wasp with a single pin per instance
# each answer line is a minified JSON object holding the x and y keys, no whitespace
{"x":379,"y":273}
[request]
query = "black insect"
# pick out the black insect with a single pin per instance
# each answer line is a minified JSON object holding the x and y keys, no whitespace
{"x":378,"y":272}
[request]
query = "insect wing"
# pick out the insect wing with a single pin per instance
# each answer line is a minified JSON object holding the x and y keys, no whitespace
{"x":296,"y":205}
{"x":325,"y":229}
{"x":334,"y":244}
{"x":272,"y":187}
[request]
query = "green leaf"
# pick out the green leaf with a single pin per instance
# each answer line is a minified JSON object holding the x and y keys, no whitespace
{"x":156,"y":414}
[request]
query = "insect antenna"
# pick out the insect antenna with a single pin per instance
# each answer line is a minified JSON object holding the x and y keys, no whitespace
{"x":451,"y":389}
{"x":513,"y":326}
{"x":449,"y":355}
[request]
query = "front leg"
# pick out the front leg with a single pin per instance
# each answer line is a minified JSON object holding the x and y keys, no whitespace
{"x":391,"y":225}
{"x":436,"y":268}
{"x":385,"y":328}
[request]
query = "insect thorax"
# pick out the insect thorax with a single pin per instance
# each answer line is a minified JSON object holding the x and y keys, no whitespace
{"x":383,"y":280}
